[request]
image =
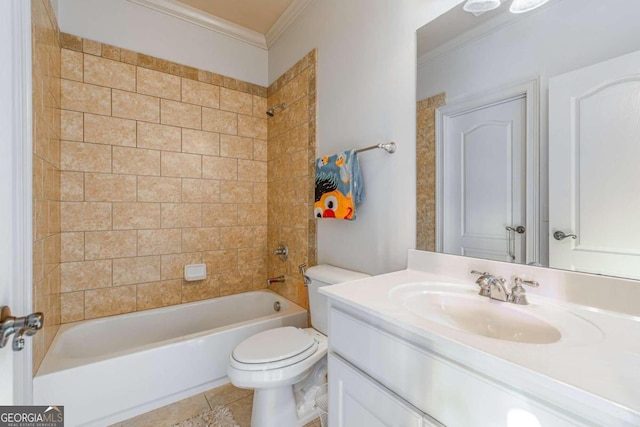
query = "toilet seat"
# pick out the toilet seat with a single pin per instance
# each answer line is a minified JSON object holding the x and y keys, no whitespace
{"x":273,"y":349}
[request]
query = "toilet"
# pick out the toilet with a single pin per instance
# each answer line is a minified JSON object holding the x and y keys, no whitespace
{"x":285,"y":366}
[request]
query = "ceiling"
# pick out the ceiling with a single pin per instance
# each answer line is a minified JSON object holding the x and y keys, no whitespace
{"x":257,"y":15}
{"x":450,"y":25}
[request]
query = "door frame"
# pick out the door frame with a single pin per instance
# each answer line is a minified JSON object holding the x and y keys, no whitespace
{"x":17,"y":180}
{"x":469,"y":103}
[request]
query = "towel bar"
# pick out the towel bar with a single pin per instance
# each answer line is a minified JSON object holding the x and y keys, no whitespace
{"x":389,"y":147}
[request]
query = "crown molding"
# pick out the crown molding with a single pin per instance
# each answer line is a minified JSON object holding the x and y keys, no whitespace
{"x":485,"y":29}
{"x":205,"y":20}
{"x":295,"y":9}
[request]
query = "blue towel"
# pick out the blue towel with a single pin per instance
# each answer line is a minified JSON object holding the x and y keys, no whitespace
{"x":338,"y":186}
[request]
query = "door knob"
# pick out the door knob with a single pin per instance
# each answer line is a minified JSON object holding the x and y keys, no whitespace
{"x":519,"y":229}
{"x":20,"y":326}
{"x":559,"y":235}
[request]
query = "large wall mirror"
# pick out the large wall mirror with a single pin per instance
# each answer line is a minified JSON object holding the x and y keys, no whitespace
{"x":528,"y":127}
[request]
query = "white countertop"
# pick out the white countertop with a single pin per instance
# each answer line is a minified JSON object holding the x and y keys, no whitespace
{"x":599,"y":371}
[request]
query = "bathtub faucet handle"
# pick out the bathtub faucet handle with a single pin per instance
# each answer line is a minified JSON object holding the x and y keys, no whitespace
{"x":20,"y":326}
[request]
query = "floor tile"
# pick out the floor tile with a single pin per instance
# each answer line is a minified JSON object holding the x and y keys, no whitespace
{"x":170,"y":414}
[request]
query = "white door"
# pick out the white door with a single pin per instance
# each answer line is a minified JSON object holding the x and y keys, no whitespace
{"x":484,"y":174}
{"x":594,"y":177}
{"x":15,"y":189}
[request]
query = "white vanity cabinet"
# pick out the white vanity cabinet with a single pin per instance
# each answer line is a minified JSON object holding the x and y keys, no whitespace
{"x":379,"y":376}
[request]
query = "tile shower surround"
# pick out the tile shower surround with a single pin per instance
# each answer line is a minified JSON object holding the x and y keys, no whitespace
{"x":46,"y":173}
{"x":162,"y":165}
{"x":165,"y":165}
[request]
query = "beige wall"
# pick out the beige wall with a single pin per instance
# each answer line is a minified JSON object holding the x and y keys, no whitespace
{"x":426,"y":172}
{"x":162,"y":165}
{"x":292,"y":151}
{"x":46,"y":174}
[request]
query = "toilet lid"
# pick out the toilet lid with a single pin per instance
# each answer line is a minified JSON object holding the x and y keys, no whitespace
{"x":274,"y":345}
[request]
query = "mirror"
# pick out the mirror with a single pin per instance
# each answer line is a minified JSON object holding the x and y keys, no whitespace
{"x":527,"y":130}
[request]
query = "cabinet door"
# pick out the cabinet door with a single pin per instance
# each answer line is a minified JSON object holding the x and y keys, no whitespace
{"x":356,"y":400}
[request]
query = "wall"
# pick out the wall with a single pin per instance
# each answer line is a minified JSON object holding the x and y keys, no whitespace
{"x":426,"y":172}
{"x":291,"y":153}
{"x":366,"y":95}
{"x":568,"y":35}
{"x":46,"y":174}
{"x":162,"y":165}
{"x":130,"y":26}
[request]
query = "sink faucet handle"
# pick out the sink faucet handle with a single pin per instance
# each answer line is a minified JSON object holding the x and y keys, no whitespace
{"x":479,"y":272}
{"x":518,"y":294}
{"x":484,"y":281}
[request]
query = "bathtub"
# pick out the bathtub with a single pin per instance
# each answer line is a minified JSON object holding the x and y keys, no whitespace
{"x":107,"y":370}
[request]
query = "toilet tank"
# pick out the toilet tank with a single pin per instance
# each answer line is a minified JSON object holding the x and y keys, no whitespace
{"x":323,"y":275}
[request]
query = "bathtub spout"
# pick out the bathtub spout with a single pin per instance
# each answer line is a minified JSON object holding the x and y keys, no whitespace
{"x":272,"y":280}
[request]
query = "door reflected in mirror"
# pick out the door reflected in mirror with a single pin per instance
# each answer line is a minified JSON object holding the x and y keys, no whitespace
{"x":527,"y":127}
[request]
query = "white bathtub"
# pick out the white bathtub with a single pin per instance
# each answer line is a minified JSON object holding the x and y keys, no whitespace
{"x":110,"y":369}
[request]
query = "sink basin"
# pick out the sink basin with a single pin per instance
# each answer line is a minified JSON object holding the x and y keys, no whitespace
{"x":461,"y":308}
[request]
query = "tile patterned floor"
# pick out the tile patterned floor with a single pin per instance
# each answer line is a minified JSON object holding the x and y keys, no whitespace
{"x":239,"y":402}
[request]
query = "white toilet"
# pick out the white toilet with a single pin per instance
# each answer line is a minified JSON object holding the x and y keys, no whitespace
{"x":285,"y":366}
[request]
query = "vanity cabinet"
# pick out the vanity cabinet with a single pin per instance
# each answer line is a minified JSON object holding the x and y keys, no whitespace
{"x":381,"y":377}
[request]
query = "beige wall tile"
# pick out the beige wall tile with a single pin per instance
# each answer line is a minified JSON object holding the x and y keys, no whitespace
{"x":251,"y":170}
{"x":181,"y":165}
{"x":72,"y":306}
{"x":92,"y":47}
{"x":38,"y":261}
{"x":253,"y":214}
{"x":158,"y":84}
{"x":260,"y":192}
{"x":72,"y":186}
{"x":220,"y":261}
{"x":219,"y":168}
{"x":71,"y":125}
{"x":204,"y":94}
{"x":235,"y":191}
{"x":128,"y":56}
{"x":260,"y":106}
{"x":85,"y":97}
{"x":173,"y":265}
{"x":159,"y":189}
{"x":179,"y":215}
{"x":136,"y":161}
{"x":135,"y":216}
{"x":260,"y":150}
{"x":203,"y":289}
{"x":77,"y":276}
{"x":200,"y":239}
{"x":159,"y":137}
{"x":100,"y":187}
{"x":71,"y":68}
{"x":235,"y":101}
{"x":252,"y":258}
{"x":234,"y":283}
{"x":199,"y":142}
{"x":78,"y":156}
{"x":85,"y":216}
{"x":159,"y":242}
{"x":72,"y":247}
{"x":253,"y":127}
{"x":219,"y":214}
{"x":240,"y":237}
{"x":38,"y":177}
{"x":109,"y":130}
{"x":110,"y":301}
{"x":180,"y":114}
{"x":109,"y":73}
{"x":135,"y":106}
{"x":158,"y":294}
{"x":109,"y":244}
{"x":235,"y":146}
{"x":127,"y":271}
{"x":219,"y":121}
{"x":200,"y":191}
{"x":111,"y":52}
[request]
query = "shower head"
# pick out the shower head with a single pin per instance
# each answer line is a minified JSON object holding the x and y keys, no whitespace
{"x":272,"y":110}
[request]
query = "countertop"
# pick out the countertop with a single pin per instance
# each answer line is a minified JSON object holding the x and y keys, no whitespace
{"x":598,"y":371}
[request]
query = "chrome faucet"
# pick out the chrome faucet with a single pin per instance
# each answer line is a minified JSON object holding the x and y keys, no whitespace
{"x":494,"y":287}
{"x":272,"y":280}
